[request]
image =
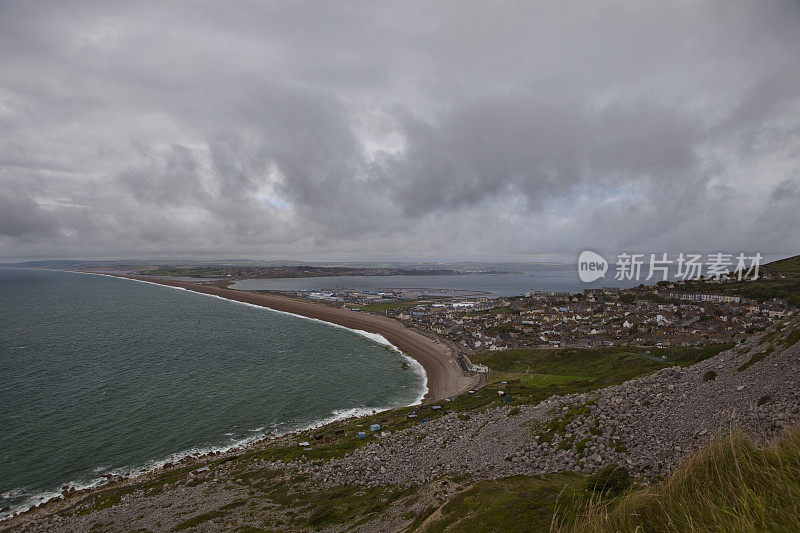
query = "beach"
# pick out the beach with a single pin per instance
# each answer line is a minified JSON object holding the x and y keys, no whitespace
{"x":445,"y":377}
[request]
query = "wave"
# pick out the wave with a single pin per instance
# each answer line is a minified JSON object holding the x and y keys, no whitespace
{"x":33,"y":499}
{"x":375,"y":337}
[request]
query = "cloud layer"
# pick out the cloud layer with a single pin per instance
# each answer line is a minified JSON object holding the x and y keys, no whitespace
{"x":412,"y":130}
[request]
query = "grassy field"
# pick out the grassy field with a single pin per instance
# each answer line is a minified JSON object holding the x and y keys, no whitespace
{"x":386,"y":306}
{"x":518,"y":503}
{"x":533,"y":375}
{"x":733,"y":484}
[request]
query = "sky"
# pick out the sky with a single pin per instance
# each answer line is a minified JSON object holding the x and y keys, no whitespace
{"x":398,"y":130}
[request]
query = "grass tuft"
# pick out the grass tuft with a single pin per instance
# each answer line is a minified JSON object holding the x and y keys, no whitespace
{"x":755,"y":358}
{"x":733,"y":484}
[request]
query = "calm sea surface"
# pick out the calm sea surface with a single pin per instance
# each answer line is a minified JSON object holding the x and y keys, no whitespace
{"x":101,"y":375}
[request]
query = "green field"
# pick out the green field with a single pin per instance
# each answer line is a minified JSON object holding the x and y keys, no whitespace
{"x":533,"y":375}
{"x":517,"y":503}
{"x":386,"y":306}
{"x":185,"y":272}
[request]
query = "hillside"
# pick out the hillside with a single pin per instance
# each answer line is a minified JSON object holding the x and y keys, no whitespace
{"x":488,"y":464}
{"x":781,"y":279}
{"x":761,"y":481}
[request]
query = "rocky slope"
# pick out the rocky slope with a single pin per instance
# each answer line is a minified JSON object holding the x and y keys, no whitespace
{"x":646,"y":425}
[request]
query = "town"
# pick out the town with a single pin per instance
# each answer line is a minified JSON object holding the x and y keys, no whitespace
{"x":661,"y":315}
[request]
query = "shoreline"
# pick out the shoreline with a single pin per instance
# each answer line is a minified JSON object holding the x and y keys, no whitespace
{"x":443,"y":375}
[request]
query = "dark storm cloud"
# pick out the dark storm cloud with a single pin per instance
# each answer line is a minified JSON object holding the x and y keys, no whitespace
{"x":413,"y":130}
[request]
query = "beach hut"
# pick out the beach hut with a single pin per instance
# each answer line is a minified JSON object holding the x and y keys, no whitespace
{"x":375,"y":427}
{"x":436,"y":407}
{"x":412,"y":415}
{"x":501,"y":393}
{"x":304,"y":444}
{"x":362,"y":435}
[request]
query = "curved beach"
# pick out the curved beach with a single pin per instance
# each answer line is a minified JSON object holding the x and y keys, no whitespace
{"x":445,"y":377}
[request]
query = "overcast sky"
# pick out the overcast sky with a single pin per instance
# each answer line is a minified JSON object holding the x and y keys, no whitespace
{"x":403,"y":130}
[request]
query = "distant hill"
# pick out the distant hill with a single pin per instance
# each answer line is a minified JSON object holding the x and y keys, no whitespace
{"x":779,"y":279}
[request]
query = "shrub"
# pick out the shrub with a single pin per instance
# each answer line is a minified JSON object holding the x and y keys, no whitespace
{"x":611,"y":480}
{"x":709,"y":376}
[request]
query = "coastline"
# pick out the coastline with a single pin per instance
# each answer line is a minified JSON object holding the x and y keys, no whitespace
{"x":444,"y":377}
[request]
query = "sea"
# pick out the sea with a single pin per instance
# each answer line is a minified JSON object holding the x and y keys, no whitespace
{"x":100,"y":375}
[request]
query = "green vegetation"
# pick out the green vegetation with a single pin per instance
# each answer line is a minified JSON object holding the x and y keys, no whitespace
{"x":733,"y":484}
{"x":533,"y":375}
{"x":792,"y":338}
{"x":755,"y":358}
{"x":533,"y":498}
{"x":787,"y":288}
{"x":205,"y":517}
{"x":558,"y":424}
{"x":386,"y":306}
{"x":518,"y":503}
{"x":502,"y":328}
{"x":627,"y":298}
{"x":710,"y":376}
{"x":593,"y":362}
{"x":611,"y":480}
{"x":104,"y":501}
{"x":186,"y":272}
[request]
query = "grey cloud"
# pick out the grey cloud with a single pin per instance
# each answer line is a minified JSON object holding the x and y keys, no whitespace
{"x":23,"y":219}
{"x":348,"y":130}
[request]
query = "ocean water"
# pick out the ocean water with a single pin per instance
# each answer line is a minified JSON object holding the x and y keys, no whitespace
{"x":101,"y":375}
{"x":493,"y":285}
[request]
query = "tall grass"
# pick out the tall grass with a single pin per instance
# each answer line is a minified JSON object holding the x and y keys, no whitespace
{"x":733,"y":484}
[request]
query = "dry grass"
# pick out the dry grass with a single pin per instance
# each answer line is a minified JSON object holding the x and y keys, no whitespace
{"x":733,"y":484}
